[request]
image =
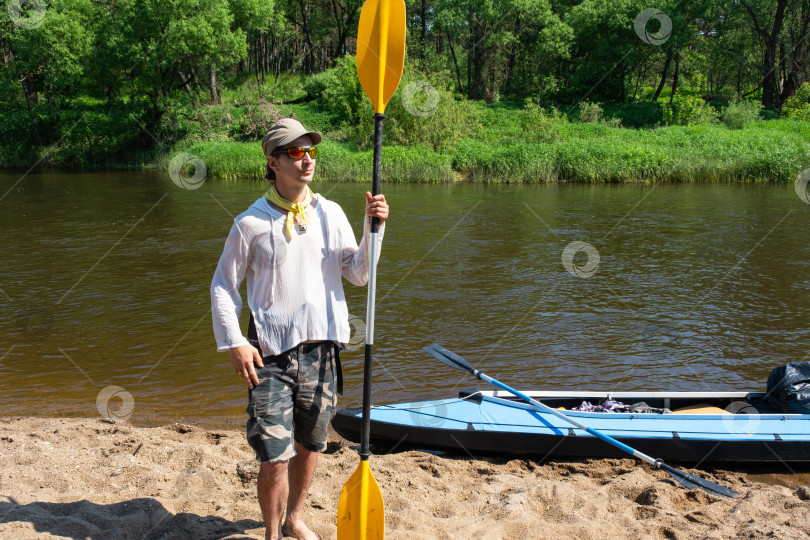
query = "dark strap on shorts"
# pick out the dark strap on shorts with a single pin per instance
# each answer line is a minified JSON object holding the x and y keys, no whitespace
{"x":339,"y":368}
{"x":253,"y":336}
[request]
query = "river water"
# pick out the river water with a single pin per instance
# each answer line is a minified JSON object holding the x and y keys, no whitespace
{"x":104,"y":287}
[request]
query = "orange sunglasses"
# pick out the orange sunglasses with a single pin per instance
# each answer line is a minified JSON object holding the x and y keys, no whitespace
{"x":297,"y":152}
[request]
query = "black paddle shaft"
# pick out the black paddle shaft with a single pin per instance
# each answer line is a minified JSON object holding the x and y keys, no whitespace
{"x":365,"y":432}
{"x":375,"y":181}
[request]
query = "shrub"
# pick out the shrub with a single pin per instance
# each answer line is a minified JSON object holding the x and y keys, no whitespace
{"x":540,"y":125}
{"x":590,"y":113}
{"x":257,"y":118}
{"x":338,"y":91}
{"x":688,"y":111}
{"x":797,"y":106}
{"x":422,"y":113}
{"x":740,"y":113}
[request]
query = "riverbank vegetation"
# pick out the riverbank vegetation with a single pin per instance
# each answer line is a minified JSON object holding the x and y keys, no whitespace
{"x":494,"y":90}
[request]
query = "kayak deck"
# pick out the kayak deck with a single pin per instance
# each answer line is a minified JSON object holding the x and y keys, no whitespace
{"x":496,"y":423}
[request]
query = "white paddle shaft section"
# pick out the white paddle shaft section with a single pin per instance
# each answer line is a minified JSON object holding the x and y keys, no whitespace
{"x":372,"y":284}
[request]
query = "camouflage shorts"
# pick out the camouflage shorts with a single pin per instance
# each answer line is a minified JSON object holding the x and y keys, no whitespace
{"x":294,"y":400}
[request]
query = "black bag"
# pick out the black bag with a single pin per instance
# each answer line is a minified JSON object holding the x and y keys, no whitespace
{"x":789,"y":388}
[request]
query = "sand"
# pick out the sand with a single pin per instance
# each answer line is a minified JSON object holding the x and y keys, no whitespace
{"x":90,"y":478}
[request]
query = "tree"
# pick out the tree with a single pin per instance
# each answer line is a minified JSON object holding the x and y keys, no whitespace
{"x":48,"y":61}
{"x":153,"y":47}
{"x":782,"y":27}
{"x":491,"y":32}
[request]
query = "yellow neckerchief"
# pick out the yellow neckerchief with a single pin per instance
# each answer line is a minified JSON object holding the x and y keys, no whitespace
{"x":293,"y":209}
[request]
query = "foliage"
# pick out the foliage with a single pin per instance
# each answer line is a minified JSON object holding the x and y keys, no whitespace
{"x":112,"y":80}
{"x":688,"y":111}
{"x":798,"y":106}
{"x":591,"y":113}
{"x":419,"y":112}
{"x":338,"y":91}
{"x":738,"y":114}
{"x":539,"y":124}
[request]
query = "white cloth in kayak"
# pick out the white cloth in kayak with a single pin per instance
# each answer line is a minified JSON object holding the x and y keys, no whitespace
{"x":294,"y":287}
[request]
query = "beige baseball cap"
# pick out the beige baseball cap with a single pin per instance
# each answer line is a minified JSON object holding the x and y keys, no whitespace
{"x":284,"y":132}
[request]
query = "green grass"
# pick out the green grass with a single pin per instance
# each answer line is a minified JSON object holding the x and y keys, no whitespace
{"x":773,"y":151}
{"x":337,"y":162}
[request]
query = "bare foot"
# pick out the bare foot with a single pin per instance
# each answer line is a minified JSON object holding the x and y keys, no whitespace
{"x":298,"y":530}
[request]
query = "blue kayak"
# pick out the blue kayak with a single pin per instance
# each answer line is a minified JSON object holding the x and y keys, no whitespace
{"x":718,"y":427}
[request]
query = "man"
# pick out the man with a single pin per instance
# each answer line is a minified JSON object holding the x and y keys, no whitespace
{"x":293,"y":247}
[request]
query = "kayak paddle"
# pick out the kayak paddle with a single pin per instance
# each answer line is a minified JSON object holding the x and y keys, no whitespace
{"x":690,"y":481}
{"x":380,"y":60}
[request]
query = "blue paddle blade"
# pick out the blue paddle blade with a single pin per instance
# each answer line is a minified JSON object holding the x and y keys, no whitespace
{"x":448,"y":358}
{"x":686,"y":478}
{"x":689,"y":481}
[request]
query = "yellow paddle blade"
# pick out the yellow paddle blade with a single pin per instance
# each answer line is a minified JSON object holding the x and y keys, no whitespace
{"x":381,"y":49}
{"x":361,"y":515}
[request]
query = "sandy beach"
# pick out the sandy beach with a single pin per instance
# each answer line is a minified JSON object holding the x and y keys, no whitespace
{"x":91,"y":478}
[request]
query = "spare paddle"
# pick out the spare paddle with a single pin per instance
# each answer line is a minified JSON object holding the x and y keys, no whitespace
{"x":380,"y":60}
{"x":688,"y":480}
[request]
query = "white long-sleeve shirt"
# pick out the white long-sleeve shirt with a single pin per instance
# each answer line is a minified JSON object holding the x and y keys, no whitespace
{"x":294,"y":287}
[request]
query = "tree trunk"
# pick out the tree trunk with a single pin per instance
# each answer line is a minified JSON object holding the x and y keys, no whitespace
{"x":184,"y":82}
{"x":794,"y":62}
{"x":675,"y":76}
{"x":642,"y":72}
{"x":265,"y":57}
{"x":455,"y":62}
{"x":623,"y":87}
{"x":510,"y":63}
{"x":255,"y":56}
{"x":423,"y":15}
{"x":212,"y":85}
{"x":31,"y":98}
{"x":771,"y":43}
{"x":477,"y":76}
{"x":345,"y":18}
{"x":769,"y":86}
{"x":309,"y":66}
{"x":664,"y":74}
